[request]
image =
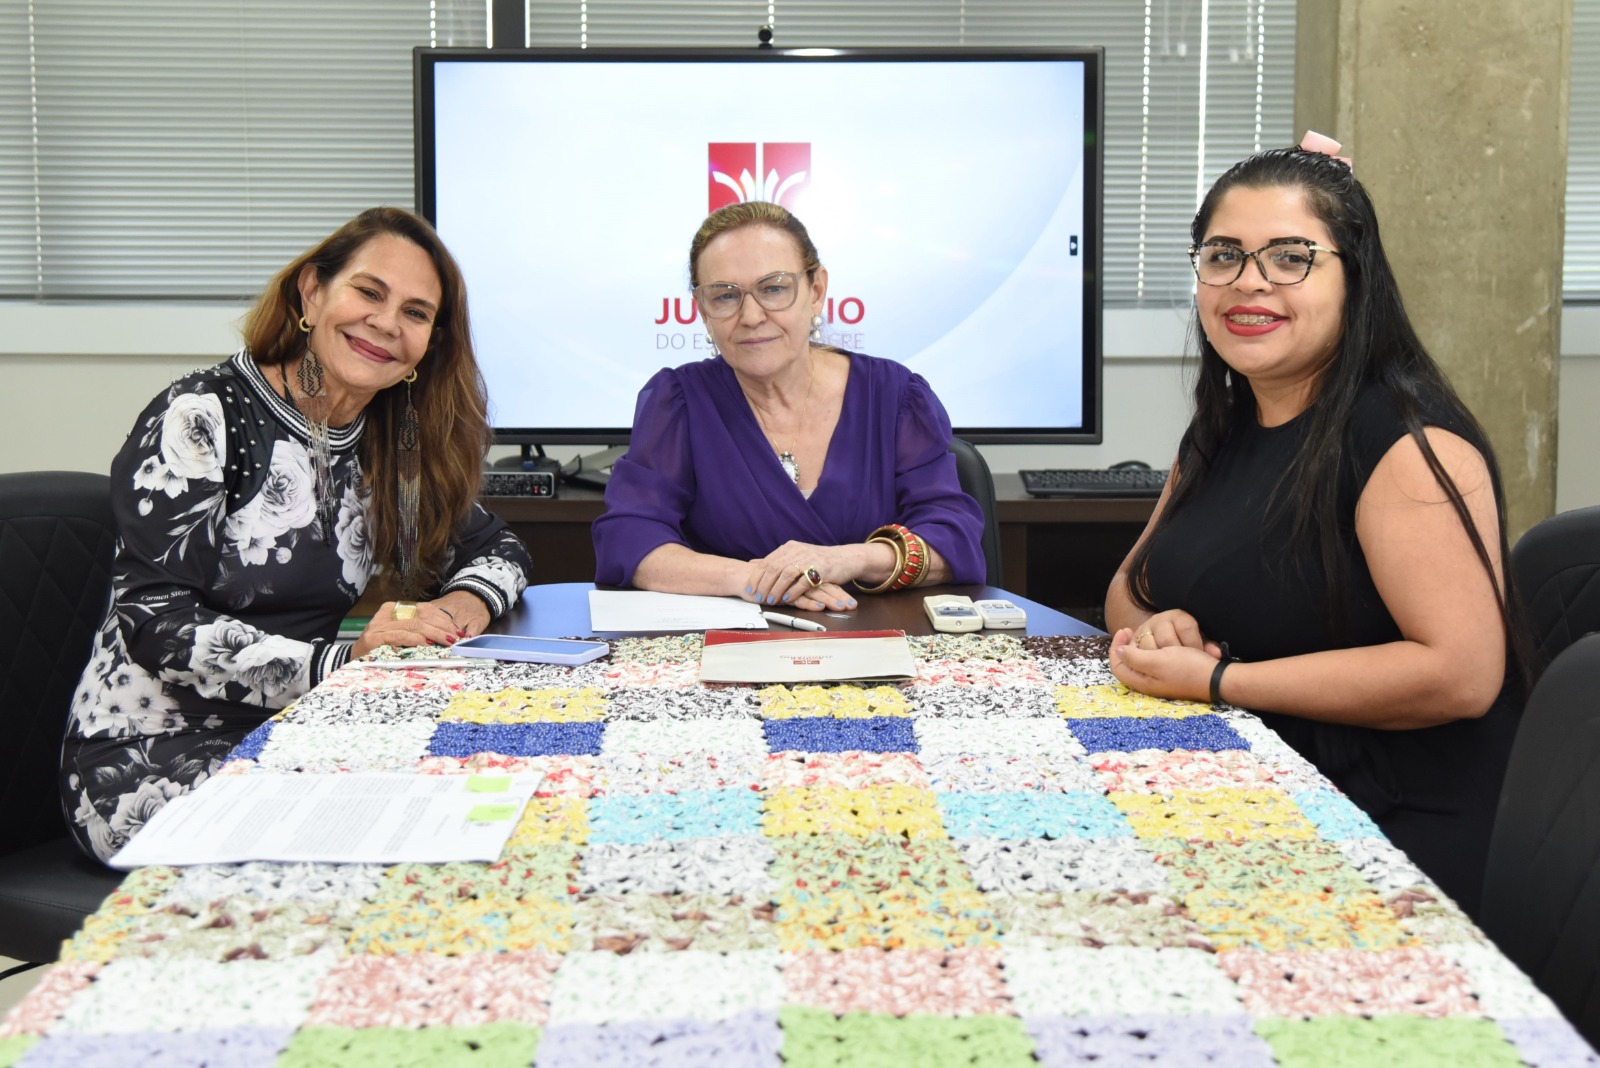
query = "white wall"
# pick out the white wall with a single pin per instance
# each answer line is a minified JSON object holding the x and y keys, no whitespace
{"x":73,"y":377}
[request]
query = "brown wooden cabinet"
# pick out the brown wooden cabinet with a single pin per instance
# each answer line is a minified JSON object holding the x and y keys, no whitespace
{"x":1059,"y":552}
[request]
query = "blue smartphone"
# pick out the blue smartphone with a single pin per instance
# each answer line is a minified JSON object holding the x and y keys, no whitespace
{"x":532,"y":650}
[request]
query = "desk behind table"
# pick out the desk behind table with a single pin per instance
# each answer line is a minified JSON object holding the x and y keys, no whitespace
{"x":1008,"y":861}
{"x":1058,"y":552}
{"x":561,"y":610}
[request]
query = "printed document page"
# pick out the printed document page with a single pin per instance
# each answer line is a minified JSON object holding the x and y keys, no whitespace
{"x":637,"y":610}
{"x":347,"y":818}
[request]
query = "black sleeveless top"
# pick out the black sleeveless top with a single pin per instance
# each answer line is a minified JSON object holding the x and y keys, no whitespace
{"x":1223,"y":558}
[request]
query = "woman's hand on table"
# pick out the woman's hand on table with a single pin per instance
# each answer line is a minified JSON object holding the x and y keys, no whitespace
{"x":785,"y":576}
{"x":1177,"y":671}
{"x":466,"y":610}
{"x":440,"y":622}
{"x":1174,"y":627}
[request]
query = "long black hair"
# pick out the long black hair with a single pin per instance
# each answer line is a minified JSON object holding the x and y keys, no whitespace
{"x":1378,"y":347}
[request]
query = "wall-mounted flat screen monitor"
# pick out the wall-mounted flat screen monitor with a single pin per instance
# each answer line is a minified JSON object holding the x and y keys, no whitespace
{"x":954,"y":196}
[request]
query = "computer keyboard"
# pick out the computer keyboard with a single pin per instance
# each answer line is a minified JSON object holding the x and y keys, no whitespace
{"x":1096,"y":482}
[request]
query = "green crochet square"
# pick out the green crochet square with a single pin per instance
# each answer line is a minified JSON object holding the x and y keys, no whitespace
{"x":496,"y":1045}
{"x":12,"y":1049}
{"x":816,"y":1038}
{"x":1402,"y":1041}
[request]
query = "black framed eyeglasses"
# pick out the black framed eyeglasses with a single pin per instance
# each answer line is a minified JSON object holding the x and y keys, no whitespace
{"x":775,"y":292}
{"x":1283,"y":263}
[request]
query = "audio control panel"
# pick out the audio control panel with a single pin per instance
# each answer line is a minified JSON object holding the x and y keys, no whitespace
{"x":519,"y":484}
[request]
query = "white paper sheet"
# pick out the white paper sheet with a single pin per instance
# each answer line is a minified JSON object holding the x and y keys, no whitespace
{"x":637,"y":610}
{"x":356,"y":817}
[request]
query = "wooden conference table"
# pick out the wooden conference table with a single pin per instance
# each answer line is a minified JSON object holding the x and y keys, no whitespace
{"x":1008,"y":860}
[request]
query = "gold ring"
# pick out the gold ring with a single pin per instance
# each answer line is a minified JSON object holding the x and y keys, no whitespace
{"x":405,"y":609}
{"x":1141,"y":636}
{"x":813,"y":576}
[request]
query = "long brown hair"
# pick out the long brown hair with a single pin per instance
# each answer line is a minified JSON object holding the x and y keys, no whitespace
{"x":449,"y":394}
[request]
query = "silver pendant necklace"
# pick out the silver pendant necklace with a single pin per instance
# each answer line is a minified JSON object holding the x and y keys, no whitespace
{"x":786,"y":460}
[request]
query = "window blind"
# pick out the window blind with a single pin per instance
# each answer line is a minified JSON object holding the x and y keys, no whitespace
{"x":1580,"y":280}
{"x":188,"y":148}
{"x":1191,"y":86}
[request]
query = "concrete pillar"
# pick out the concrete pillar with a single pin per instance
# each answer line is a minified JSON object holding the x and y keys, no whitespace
{"x":1455,"y":112}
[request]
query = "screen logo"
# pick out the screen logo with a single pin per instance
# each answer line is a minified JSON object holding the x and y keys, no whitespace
{"x":755,"y":170}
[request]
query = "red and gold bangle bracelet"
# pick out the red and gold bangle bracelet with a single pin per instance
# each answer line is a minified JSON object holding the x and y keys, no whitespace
{"x":899,"y":564}
{"x":911,"y":558}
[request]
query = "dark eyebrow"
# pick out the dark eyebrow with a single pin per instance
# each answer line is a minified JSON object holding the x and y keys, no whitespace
{"x":1220,"y":239}
{"x":369,"y":276}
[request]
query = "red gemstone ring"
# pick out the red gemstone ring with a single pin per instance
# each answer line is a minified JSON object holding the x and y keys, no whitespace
{"x":814,"y":577}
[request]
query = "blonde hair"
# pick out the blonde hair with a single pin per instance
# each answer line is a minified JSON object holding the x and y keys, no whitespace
{"x":449,"y":394}
{"x":733,"y":217}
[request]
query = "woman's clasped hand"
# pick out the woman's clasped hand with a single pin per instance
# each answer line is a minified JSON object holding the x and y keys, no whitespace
{"x":802,"y":575}
{"x":1167,"y":656}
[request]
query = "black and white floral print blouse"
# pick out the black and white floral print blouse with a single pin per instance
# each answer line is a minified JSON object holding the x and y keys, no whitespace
{"x":226,"y":593}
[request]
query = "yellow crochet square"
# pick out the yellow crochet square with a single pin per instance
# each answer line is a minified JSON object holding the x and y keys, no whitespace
{"x":1090,"y":702}
{"x":119,"y":914}
{"x":835,"y":891}
{"x":583,"y":704}
{"x":1276,"y":920}
{"x":462,"y":925}
{"x":892,"y":809}
{"x":551,"y":820}
{"x":840,"y":702}
{"x":1214,"y":815}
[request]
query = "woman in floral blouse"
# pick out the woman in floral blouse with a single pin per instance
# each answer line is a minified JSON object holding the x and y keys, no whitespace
{"x":254,"y":501}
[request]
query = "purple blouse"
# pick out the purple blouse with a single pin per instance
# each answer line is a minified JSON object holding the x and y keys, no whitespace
{"x":700,"y":473}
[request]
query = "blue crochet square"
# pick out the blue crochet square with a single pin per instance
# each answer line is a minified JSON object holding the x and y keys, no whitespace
{"x":1125,"y":734}
{"x":751,"y":1037}
{"x":1035,"y":814}
{"x":635,"y":819}
{"x":234,"y":1047}
{"x":250,"y":748}
{"x":1337,"y":818}
{"x":873,"y":734}
{"x":516,"y":739}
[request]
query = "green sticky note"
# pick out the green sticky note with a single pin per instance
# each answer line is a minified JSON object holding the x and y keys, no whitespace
{"x":491,"y":813}
{"x":488,"y":784}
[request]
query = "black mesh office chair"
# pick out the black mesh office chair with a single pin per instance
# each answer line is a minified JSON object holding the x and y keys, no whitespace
{"x":55,"y":576}
{"x":973,"y":471}
{"x":1557,"y":567}
{"x":1541,"y":893}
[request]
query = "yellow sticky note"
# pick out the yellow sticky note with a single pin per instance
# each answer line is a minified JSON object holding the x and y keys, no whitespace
{"x":491,"y":813}
{"x":488,"y":784}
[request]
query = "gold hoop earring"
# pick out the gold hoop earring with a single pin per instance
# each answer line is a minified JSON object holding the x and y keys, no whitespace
{"x":305,"y":327}
{"x":410,"y":378}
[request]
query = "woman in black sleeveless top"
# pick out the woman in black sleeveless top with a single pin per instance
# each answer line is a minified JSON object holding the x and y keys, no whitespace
{"x":1334,"y":521}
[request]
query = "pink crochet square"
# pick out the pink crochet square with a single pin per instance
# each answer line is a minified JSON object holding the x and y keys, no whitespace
{"x":961,"y":982}
{"x":432,"y":990}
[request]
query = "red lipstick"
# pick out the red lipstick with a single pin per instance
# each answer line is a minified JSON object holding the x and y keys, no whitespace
{"x":1257,"y":321}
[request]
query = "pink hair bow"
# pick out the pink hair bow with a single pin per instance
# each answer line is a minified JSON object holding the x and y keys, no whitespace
{"x":1315,"y":142}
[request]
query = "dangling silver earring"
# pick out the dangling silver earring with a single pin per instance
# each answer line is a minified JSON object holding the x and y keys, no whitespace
{"x":711,"y":343}
{"x":816,"y":329}
{"x":408,"y":468}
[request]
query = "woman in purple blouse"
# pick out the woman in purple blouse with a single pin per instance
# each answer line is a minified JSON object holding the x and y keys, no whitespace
{"x":782,"y":470}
